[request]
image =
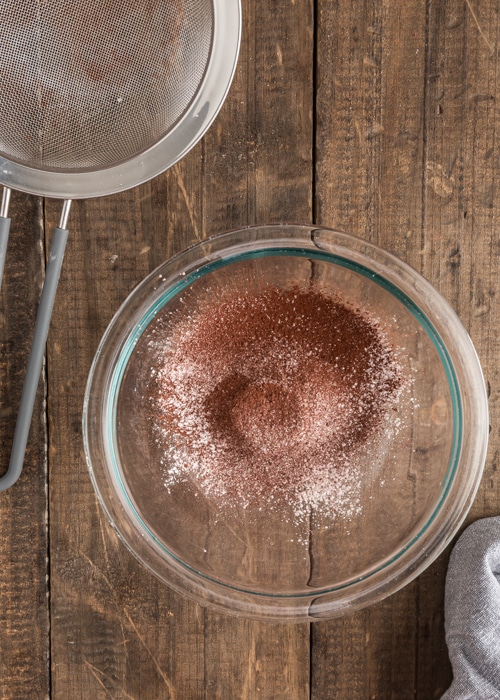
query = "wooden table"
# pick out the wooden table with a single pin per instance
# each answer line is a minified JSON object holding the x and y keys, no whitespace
{"x":379,"y":118}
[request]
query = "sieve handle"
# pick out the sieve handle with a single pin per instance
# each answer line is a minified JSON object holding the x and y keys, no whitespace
{"x":37,"y":352}
{"x":4,"y":228}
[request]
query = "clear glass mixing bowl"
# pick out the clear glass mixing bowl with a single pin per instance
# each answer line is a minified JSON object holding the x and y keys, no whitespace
{"x":416,"y":485}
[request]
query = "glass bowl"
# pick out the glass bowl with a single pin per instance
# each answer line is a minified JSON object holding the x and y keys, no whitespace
{"x":285,"y":524}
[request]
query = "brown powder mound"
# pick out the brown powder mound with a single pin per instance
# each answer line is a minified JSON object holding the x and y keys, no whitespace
{"x":265,"y":415}
{"x":264,"y":397}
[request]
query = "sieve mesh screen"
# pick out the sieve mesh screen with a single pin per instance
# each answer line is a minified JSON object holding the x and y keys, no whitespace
{"x":86,"y":85}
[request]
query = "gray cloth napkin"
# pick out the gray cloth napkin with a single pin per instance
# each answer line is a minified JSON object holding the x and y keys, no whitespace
{"x":472,"y":613}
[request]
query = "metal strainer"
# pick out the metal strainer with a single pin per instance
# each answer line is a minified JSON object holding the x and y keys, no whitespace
{"x":96,"y":98}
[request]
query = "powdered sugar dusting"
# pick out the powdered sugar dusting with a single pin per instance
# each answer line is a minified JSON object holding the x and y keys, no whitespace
{"x":266,"y":399}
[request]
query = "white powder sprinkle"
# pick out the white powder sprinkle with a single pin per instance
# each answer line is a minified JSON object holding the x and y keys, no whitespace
{"x":268,"y":399}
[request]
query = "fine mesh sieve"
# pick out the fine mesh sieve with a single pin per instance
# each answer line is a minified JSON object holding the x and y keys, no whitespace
{"x":96,"y":98}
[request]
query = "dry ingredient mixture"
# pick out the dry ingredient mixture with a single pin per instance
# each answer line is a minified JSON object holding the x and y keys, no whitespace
{"x":265,"y":399}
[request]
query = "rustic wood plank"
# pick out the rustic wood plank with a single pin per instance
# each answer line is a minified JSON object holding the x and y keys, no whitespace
{"x":462,"y":206}
{"x":24,"y":622}
{"x":116,"y":632}
{"x":372,"y":141}
{"x":268,"y":161}
{"x":447,"y":133}
{"x":360,"y":127}
{"x":461,"y":217}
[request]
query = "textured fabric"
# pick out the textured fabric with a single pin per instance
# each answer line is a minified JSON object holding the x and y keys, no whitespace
{"x":472,"y":613}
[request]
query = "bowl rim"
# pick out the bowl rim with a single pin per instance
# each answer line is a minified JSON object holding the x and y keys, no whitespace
{"x":383,"y":268}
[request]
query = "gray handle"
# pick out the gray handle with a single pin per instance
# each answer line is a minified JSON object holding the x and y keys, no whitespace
{"x":42,"y":323}
{"x":4,"y":238}
{"x":4,"y":227}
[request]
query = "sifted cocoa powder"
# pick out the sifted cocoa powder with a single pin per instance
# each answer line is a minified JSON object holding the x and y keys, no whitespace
{"x":265,"y":398}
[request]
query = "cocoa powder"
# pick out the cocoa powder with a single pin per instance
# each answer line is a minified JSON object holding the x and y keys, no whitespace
{"x":265,"y":398}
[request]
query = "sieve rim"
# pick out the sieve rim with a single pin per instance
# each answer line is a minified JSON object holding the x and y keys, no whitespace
{"x":168,"y":150}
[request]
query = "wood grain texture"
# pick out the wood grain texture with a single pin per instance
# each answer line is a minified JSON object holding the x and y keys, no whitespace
{"x":270,"y":165}
{"x":377,"y":118}
{"x":24,"y":618}
{"x":116,"y":631}
{"x":412,"y":162}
